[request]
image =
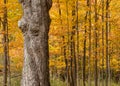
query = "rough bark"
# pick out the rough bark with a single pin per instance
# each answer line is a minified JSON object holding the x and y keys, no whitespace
{"x":35,"y":27}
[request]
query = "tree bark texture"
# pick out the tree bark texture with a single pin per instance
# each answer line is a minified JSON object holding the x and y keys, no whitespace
{"x":35,"y":27}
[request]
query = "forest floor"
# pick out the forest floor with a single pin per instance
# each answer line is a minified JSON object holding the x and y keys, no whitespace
{"x":15,"y":81}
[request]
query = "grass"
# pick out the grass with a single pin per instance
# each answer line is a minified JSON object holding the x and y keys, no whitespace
{"x":57,"y":82}
{"x":16,"y":82}
{"x":54,"y":82}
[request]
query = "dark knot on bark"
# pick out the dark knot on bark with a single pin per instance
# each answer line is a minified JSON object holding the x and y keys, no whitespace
{"x":23,"y":25}
{"x":21,"y":1}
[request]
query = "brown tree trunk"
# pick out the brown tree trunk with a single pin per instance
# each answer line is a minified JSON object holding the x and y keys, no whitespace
{"x":68,"y":43}
{"x":107,"y":43}
{"x":96,"y":43}
{"x":63,"y":47}
{"x":73,"y":53}
{"x":90,"y":35}
{"x":103,"y":47}
{"x":5,"y":41}
{"x":84,"y":51}
{"x":35,"y":27}
{"x":77,"y":46}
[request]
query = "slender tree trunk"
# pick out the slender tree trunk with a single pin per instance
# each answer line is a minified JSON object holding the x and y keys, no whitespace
{"x":72,"y":59}
{"x":96,"y":46}
{"x":77,"y":52}
{"x":9,"y":68}
{"x":74,"y":48}
{"x":109,"y":44}
{"x":75,"y":64}
{"x":5,"y":41}
{"x":35,"y":27}
{"x":107,"y":51}
{"x":66,"y":61}
{"x":68,"y":36}
{"x":73,"y":54}
{"x":90,"y":27}
{"x":103,"y":54}
{"x":64,"y":47}
{"x":9,"y":71}
{"x":71,"y":64}
{"x":84,"y":57}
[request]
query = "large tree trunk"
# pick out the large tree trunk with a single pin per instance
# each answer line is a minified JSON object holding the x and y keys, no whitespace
{"x":35,"y":27}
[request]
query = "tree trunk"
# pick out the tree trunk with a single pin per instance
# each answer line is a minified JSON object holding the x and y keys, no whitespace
{"x":77,"y":46}
{"x":63,"y":47}
{"x":73,"y":53}
{"x":35,"y":27}
{"x":103,"y":47}
{"x":68,"y":43}
{"x":90,"y":30}
{"x":96,"y":43}
{"x":107,"y":43}
{"x":5,"y":41}
{"x":84,"y":51}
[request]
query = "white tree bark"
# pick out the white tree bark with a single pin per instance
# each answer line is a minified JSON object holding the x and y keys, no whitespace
{"x":35,"y":27}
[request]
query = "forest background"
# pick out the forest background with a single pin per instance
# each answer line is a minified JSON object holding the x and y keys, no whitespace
{"x":71,"y":39}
